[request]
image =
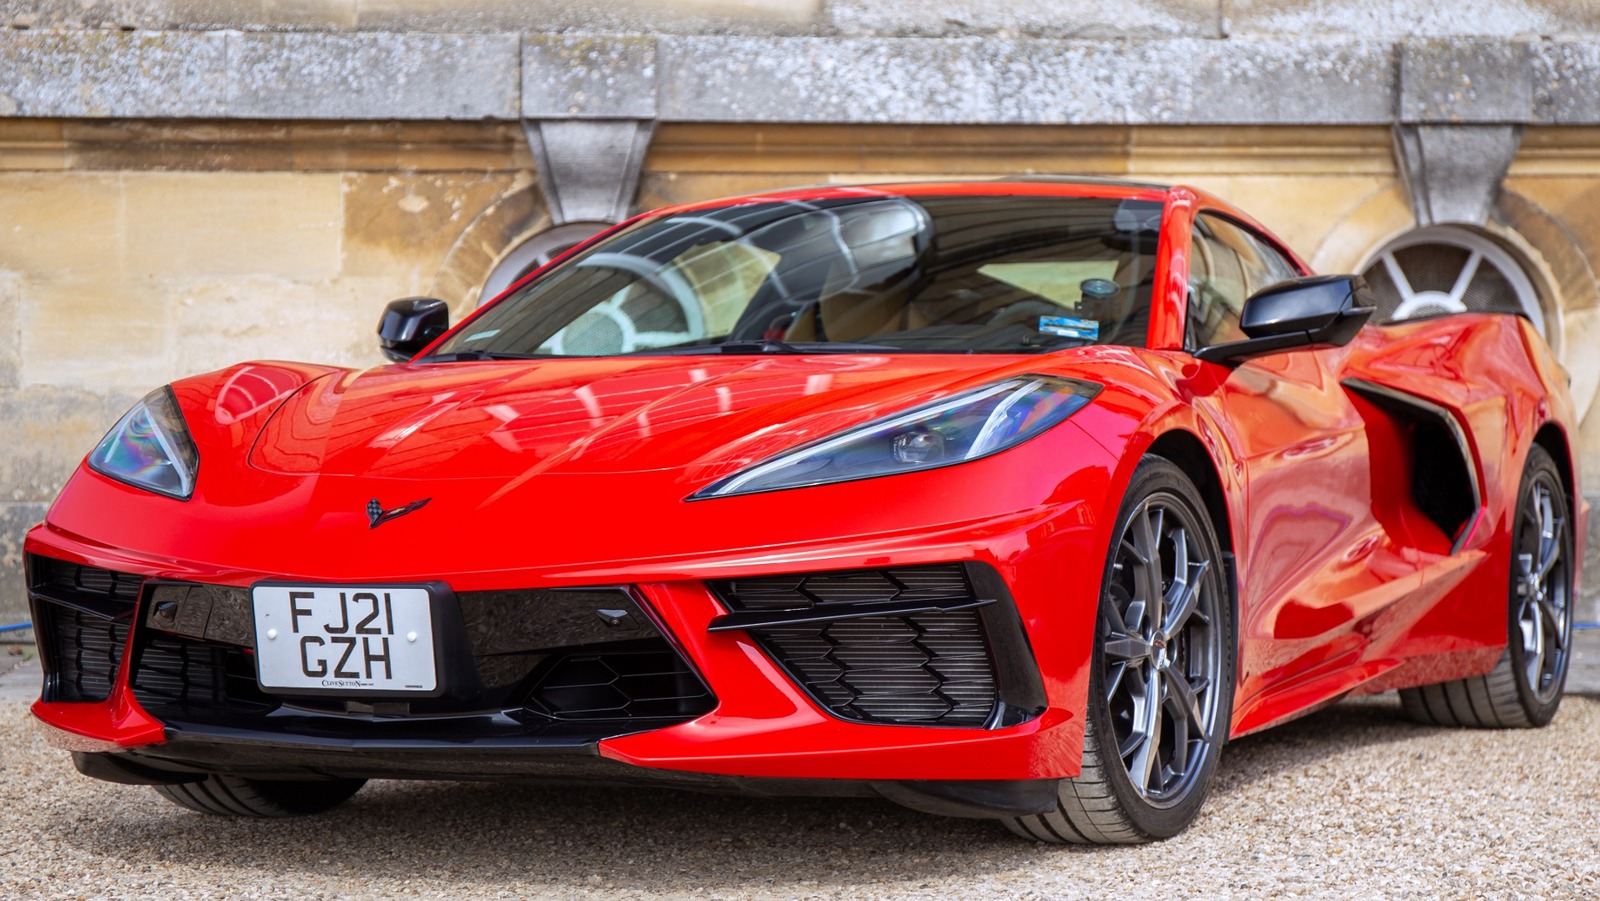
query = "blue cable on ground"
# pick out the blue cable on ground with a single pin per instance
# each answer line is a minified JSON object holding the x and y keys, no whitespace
{"x":1586,"y":625}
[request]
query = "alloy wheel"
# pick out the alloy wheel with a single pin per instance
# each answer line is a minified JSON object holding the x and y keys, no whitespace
{"x":1162,"y":651}
{"x":1542,"y":602}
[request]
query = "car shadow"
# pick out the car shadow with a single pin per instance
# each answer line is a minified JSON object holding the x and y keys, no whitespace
{"x":649,"y":839}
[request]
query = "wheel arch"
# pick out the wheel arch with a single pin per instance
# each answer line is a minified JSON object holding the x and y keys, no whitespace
{"x":1186,"y":451}
{"x":1553,"y":439}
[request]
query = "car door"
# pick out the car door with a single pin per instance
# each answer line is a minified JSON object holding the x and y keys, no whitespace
{"x":1308,"y":532}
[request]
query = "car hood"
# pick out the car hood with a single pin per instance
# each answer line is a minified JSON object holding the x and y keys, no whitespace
{"x":712,"y":415}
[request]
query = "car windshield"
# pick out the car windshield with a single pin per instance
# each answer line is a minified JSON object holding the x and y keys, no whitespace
{"x":875,"y":272}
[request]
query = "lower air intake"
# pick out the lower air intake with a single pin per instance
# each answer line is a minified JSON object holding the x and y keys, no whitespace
{"x":83,"y":652}
{"x":926,"y":668}
{"x":637,"y":683}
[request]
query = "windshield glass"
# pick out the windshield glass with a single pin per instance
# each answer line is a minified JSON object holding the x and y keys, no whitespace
{"x":985,"y":274}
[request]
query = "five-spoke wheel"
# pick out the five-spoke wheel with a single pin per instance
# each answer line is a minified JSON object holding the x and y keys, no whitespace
{"x":1162,"y":677}
{"x":1524,"y":688}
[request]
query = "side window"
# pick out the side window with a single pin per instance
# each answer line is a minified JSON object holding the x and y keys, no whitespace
{"x":1264,"y":266}
{"x":1227,"y":265}
{"x":1217,"y":286}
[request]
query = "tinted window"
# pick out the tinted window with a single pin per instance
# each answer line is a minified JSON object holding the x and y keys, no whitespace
{"x":1227,"y":264}
{"x":988,"y":274}
{"x":1217,"y":286}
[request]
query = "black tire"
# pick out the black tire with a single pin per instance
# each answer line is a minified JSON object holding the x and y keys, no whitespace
{"x":1524,"y":689}
{"x":1106,"y":803}
{"x":236,"y":796}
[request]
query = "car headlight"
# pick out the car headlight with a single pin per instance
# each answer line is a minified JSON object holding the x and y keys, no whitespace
{"x":150,"y":448}
{"x":964,"y":427}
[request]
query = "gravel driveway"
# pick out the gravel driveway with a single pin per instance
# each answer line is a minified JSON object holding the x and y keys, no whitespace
{"x":1350,"y":802}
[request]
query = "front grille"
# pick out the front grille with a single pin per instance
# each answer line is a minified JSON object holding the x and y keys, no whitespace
{"x":74,"y":581}
{"x":643,"y":682}
{"x":173,"y":676}
{"x":931,"y":668}
{"x":588,"y":660}
{"x":82,"y":652}
{"x":927,"y":669}
{"x":803,"y":590}
{"x":83,"y":614}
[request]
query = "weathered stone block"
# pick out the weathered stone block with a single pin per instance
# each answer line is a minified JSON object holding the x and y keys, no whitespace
{"x":60,"y":222}
{"x":48,"y":430}
{"x":401,"y":226}
{"x":220,"y":322}
{"x":588,"y":77}
{"x":615,"y":16}
{"x":1333,"y":82}
{"x":236,"y":223}
{"x":1452,"y":80}
{"x":113,"y":73}
{"x":373,"y":76}
{"x":823,"y":80}
{"x":10,"y":329}
{"x":1024,"y":81}
{"x":1564,"y":74}
{"x":1053,"y":18}
{"x":94,"y":331}
{"x":1408,"y":18}
{"x":15,"y":521}
{"x":1588,"y":606}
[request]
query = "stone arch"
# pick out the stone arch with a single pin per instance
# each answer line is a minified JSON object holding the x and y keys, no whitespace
{"x":1556,"y":266}
{"x":517,"y":214}
{"x":1564,"y":269}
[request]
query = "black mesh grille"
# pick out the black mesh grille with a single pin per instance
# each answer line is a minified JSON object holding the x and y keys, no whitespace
{"x":549,"y":653}
{"x":931,"y":668}
{"x":176,"y":676}
{"x":632,"y":683}
{"x":84,"y":652}
{"x":927,"y":668}
{"x":78,"y":582}
{"x":800,"y":591}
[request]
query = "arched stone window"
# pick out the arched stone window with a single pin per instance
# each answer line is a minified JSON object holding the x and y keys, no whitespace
{"x":1450,"y":269}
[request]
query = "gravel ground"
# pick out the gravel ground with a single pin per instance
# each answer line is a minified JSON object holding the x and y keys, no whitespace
{"x":1350,"y":802}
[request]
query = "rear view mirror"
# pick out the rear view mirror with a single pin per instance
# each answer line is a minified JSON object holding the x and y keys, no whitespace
{"x":410,"y":324}
{"x":1314,"y":311}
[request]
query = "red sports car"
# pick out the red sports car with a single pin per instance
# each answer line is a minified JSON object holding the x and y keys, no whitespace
{"x":1013,"y":499}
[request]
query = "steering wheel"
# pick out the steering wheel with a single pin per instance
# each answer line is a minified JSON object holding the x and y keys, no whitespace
{"x":608,"y":323}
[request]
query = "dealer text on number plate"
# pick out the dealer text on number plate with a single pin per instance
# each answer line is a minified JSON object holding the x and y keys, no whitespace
{"x":344,"y":638}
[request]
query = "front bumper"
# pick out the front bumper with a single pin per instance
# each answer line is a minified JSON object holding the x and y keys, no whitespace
{"x":758,"y":726}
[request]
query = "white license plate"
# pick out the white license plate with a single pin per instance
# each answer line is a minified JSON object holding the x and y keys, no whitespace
{"x":340,"y":638}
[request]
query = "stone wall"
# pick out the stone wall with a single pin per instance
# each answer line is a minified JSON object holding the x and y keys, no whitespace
{"x":139,"y":252}
{"x":185,"y":183}
{"x":135,"y":253}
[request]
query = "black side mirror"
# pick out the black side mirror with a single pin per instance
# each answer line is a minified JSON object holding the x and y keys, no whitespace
{"x":1314,"y":311}
{"x":410,"y":324}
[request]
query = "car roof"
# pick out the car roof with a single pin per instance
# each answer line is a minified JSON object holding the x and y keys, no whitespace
{"x":1028,"y":185}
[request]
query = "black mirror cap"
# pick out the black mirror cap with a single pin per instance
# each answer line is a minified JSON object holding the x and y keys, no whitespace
{"x":410,"y":324}
{"x":1314,"y":311}
{"x":1329,"y":309}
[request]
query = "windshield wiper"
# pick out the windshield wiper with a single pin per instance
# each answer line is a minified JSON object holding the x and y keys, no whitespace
{"x":461,"y":355}
{"x":765,"y":346}
{"x":759,"y":346}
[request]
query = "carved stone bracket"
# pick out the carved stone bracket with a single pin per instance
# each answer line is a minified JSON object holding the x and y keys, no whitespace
{"x":588,"y":168}
{"x":1452,"y":173}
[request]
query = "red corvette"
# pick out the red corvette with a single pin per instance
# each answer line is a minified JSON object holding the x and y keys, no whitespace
{"x":1014,"y":499}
